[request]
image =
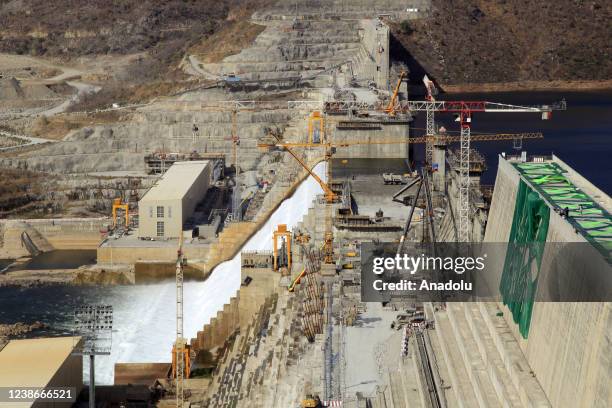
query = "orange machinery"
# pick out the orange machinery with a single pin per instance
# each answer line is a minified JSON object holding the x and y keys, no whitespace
{"x":281,"y":231}
{"x":117,"y":205}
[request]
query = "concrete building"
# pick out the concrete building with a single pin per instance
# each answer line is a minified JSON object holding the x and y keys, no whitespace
{"x":41,"y":363}
{"x":162,"y":211}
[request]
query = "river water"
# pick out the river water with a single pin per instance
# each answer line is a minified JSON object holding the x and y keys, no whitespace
{"x":581,"y":136}
{"x":145,"y":315}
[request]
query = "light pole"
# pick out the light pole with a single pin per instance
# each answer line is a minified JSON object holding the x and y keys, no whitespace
{"x":93,"y":324}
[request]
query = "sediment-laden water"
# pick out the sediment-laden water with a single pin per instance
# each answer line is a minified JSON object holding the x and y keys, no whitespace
{"x":145,"y":315}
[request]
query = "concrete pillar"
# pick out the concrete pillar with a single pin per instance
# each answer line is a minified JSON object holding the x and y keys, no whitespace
{"x":439,"y":161}
{"x":383,"y":37}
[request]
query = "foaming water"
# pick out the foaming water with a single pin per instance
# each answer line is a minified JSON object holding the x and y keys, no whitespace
{"x":145,"y":317}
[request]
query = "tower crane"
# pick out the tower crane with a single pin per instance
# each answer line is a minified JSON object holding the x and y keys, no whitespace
{"x":464,"y":111}
{"x":430,"y":126}
{"x":328,"y":193}
{"x":330,"y":148}
{"x":180,"y":353}
{"x":236,"y":196}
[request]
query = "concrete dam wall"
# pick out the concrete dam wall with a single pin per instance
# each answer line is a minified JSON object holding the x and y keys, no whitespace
{"x":567,"y":344}
{"x":50,"y":234}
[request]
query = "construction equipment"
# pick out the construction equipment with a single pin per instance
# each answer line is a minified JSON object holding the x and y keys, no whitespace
{"x":311,"y":402}
{"x":236,"y":193}
{"x":515,"y":137}
{"x":464,"y":110}
{"x":316,"y":127}
{"x":430,"y":130}
{"x":296,"y":280}
{"x":281,"y":232}
{"x":330,"y":196}
{"x":119,"y":206}
{"x":180,"y":352}
{"x":393,"y":106}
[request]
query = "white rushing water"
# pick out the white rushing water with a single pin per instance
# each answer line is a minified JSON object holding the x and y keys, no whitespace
{"x":145,"y":323}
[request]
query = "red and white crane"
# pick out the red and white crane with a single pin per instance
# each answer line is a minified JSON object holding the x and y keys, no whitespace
{"x":464,"y":111}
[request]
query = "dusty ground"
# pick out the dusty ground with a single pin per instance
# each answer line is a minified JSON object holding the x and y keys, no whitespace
{"x":57,"y":127}
{"x":80,"y":276}
{"x":217,"y":46}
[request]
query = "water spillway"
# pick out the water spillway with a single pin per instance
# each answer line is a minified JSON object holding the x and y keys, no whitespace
{"x":145,"y":316}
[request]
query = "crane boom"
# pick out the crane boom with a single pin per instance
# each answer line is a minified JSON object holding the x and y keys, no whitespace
{"x":481,"y":106}
{"x":413,"y":140}
{"x":391,"y":107}
{"x":330,"y":196}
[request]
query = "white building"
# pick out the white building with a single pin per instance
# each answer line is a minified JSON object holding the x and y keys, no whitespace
{"x":162,"y":211}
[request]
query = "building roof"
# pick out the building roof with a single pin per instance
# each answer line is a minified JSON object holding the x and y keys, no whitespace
{"x":33,"y":362}
{"x":175,"y":183}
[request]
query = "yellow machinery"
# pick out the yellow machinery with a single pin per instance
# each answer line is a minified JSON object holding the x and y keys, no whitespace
{"x":392,"y":106}
{"x":181,"y":363}
{"x":117,"y":205}
{"x":184,"y":350}
{"x":296,"y":280}
{"x":302,"y":238}
{"x":316,"y":128}
{"x":330,"y":196}
{"x":415,"y":140}
{"x":281,"y":231}
{"x":311,"y":402}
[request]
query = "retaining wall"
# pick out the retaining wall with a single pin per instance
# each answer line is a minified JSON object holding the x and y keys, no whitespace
{"x":50,"y":234}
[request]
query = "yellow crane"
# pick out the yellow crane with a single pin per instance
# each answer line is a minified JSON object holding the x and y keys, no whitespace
{"x":181,"y":364}
{"x":412,"y":140}
{"x":391,"y":108}
{"x":330,"y":198}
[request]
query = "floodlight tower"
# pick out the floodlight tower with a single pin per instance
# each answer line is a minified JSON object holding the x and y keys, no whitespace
{"x":94,"y":325}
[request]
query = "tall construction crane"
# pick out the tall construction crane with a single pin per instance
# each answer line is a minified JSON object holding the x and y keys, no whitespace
{"x":430,"y":130}
{"x":328,"y":193}
{"x":180,"y":355}
{"x":464,"y":111}
{"x":236,"y":106}
{"x":236,"y":194}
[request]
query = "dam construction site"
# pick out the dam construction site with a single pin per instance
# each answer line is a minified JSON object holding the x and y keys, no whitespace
{"x":225,"y":230}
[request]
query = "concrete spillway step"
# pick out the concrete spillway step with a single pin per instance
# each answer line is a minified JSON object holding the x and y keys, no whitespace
{"x":475,"y":367}
{"x":500,"y":378}
{"x":269,"y":41}
{"x":283,"y":53}
{"x":529,"y":390}
{"x":460,"y":383}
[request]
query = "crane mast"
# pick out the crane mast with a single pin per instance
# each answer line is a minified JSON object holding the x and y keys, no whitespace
{"x":464,"y":109}
{"x":180,"y":340}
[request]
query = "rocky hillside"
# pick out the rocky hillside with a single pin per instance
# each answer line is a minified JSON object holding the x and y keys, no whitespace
{"x":157,"y":33}
{"x":72,"y":28}
{"x":487,"y":41}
